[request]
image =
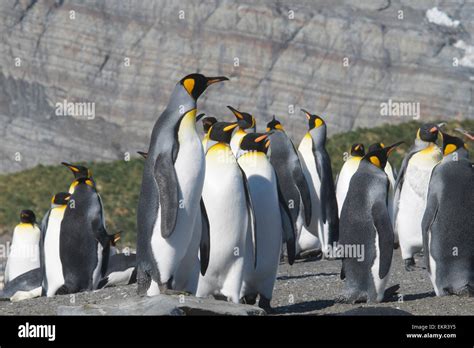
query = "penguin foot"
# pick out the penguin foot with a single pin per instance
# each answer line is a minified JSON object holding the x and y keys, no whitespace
{"x":351,"y":299}
{"x":390,"y":292}
{"x":396,"y":245}
{"x":465,"y":291}
{"x":249,"y":299}
{"x":310,"y":254}
{"x":264,"y":303}
{"x":410,"y":264}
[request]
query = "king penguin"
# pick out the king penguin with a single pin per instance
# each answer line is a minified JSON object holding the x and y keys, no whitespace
{"x":245,"y":121}
{"x":83,"y":242}
{"x":318,"y":173}
{"x":262,"y":182}
{"x":231,"y":217}
{"x":448,"y":226}
{"x":411,"y":189}
{"x":366,"y":233}
{"x":348,"y":169}
{"x":293,"y":190}
{"x":51,"y":266}
{"x":24,"y":249}
{"x":170,"y":197}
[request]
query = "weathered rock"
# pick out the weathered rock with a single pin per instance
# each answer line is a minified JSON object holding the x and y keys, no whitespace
{"x":83,"y":56}
{"x":162,"y":305}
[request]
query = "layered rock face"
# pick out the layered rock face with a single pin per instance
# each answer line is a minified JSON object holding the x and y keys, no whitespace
{"x":339,"y":59}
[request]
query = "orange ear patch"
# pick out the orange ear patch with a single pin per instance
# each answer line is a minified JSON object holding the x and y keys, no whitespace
{"x":189,"y":85}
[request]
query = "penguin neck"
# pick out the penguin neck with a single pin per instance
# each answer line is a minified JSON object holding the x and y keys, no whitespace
{"x":181,"y":100}
{"x":319,"y":136}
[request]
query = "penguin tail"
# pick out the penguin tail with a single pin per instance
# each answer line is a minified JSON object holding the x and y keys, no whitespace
{"x":390,"y":292}
{"x":103,"y":283}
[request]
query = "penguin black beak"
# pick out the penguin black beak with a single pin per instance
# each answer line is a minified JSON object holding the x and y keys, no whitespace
{"x":212,"y":80}
{"x":260,"y":138}
{"x":392,"y":147}
{"x":70,"y":166}
{"x":236,"y":112}
{"x":308,"y":115}
{"x":230,"y":127}
{"x":466,"y":133}
{"x":143,"y":154}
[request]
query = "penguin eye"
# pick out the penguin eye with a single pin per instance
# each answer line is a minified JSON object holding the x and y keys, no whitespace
{"x":189,"y":85}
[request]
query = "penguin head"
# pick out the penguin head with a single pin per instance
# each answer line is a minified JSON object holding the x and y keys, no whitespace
{"x":244,"y":119}
{"x":27,"y":217}
{"x":143,"y":154}
{"x":60,"y":198}
{"x":196,"y":84}
{"x":451,"y":144}
{"x":357,"y":150}
{"x":378,"y":155}
{"x":314,"y":121}
{"x":207,"y":123}
{"x":258,"y":142}
{"x":115,"y":238}
{"x":78,"y":171}
{"x":221,"y":132}
{"x":428,"y":132}
{"x":274,"y":124}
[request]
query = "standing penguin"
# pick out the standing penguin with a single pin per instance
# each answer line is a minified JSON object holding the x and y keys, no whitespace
{"x":411,"y":189}
{"x":244,"y":121}
{"x":448,"y":226}
{"x":348,"y":169}
{"x":365,"y":227}
{"x":170,"y":195}
{"x":318,"y":173}
{"x":262,"y":182}
{"x":231,"y":217}
{"x":83,"y":242}
{"x":24,"y":249}
{"x":51,"y":266}
{"x":293,"y":190}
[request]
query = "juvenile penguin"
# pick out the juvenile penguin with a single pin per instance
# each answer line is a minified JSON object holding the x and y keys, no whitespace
{"x":366,"y":233}
{"x":293,"y":190}
{"x":262,"y":182}
{"x":83,"y":242}
{"x":245,"y":121}
{"x":51,"y":266}
{"x":411,"y":189}
{"x":170,"y":195}
{"x":231,"y":217}
{"x":348,"y":169}
{"x":318,"y":173}
{"x":448,"y":226}
{"x":24,"y":249}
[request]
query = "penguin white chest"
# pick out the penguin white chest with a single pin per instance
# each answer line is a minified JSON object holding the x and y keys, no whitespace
{"x":52,"y":259}
{"x":24,"y":252}
{"x":348,"y":170}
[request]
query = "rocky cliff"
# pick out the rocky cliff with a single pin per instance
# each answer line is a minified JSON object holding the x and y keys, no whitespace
{"x":340,"y":59}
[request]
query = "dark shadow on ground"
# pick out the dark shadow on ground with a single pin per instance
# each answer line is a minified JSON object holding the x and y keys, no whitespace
{"x":303,"y":307}
{"x":302,"y":276}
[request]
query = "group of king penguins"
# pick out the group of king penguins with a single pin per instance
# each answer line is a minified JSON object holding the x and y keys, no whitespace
{"x":70,"y":251}
{"x":217,"y":215}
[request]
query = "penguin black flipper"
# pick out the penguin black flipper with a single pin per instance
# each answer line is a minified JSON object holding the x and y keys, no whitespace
{"x":205,"y":244}
{"x":167,"y":183}
{"x":252,"y":218}
{"x":431,"y":211}
{"x":103,"y":238}
{"x":289,"y":235}
{"x":328,"y":200}
{"x":383,"y":223}
{"x":44,"y":228}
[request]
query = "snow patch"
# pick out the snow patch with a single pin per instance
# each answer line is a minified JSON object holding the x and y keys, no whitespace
{"x":440,"y":18}
{"x":468,"y":59}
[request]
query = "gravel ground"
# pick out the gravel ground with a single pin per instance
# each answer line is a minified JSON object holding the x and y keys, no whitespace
{"x":307,"y":287}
